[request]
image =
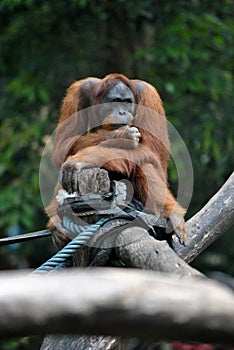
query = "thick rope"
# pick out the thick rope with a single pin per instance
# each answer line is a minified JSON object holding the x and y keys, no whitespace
{"x":84,"y":234}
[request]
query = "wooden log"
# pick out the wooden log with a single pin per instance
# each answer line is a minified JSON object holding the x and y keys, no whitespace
{"x":74,"y":342}
{"x":117,"y":302}
{"x":147,"y":253}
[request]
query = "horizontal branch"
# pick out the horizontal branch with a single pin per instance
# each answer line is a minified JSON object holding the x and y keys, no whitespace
{"x":100,"y":303}
{"x":117,"y":302}
{"x":148,"y":253}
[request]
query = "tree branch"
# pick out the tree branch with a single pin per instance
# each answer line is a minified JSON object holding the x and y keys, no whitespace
{"x":148,"y":253}
{"x":117,"y":302}
{"x":209,"y":223}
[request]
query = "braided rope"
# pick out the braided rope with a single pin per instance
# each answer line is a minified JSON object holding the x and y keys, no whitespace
{"x":84,"y":234}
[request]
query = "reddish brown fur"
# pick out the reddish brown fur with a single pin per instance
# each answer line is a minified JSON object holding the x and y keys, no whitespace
{"x":145,"y":166}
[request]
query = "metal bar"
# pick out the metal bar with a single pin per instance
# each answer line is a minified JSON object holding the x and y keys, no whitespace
{"x":25,"y":237}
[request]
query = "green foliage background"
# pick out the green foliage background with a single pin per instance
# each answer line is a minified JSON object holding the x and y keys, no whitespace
{"x":184,"y":48}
